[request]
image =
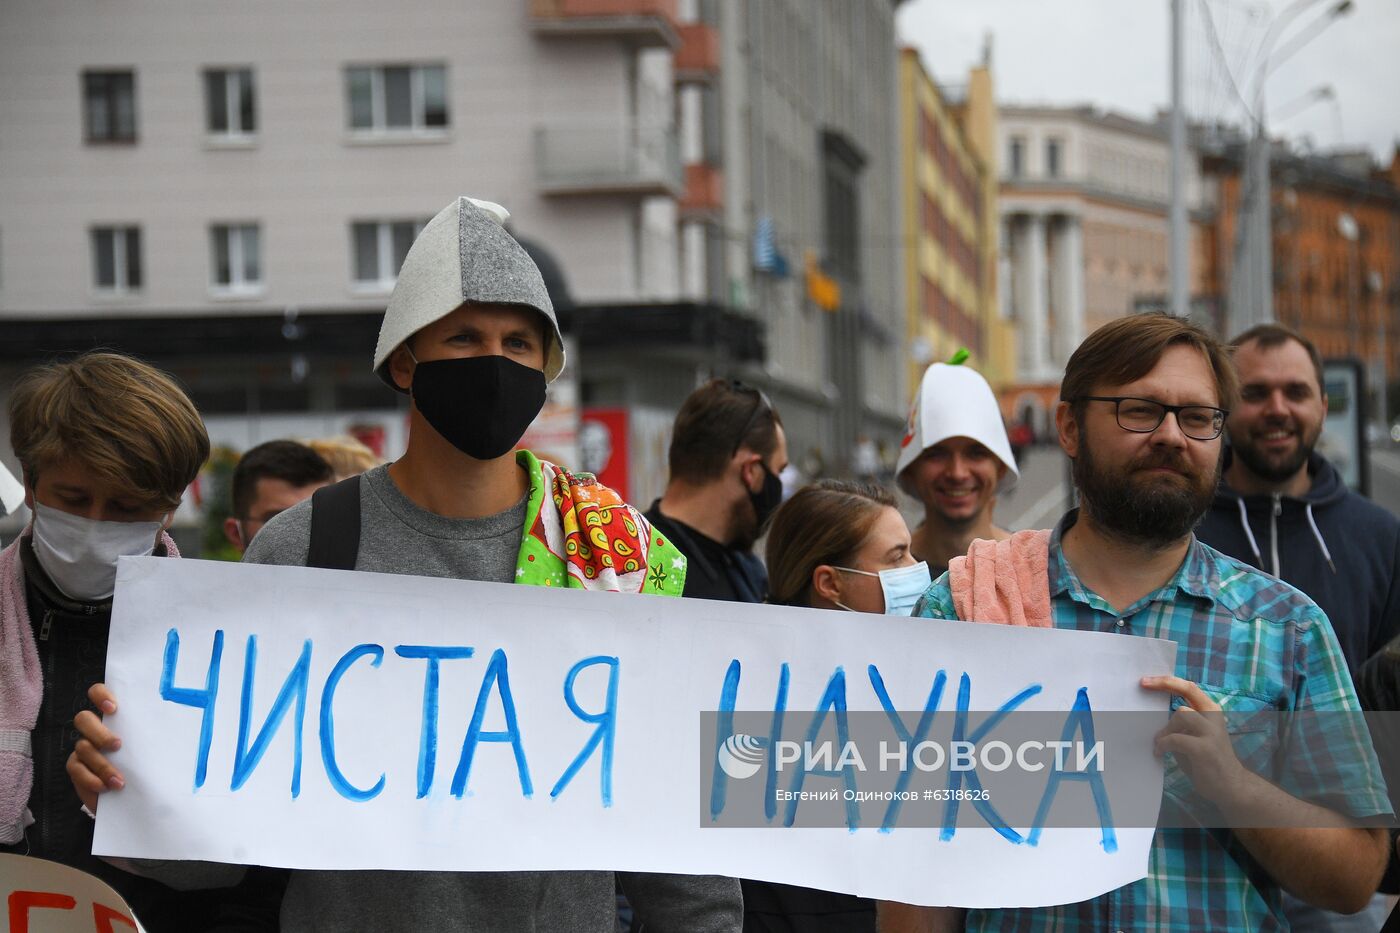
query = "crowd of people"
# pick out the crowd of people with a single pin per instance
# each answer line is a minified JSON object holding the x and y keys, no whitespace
{"x":1278,"y":584}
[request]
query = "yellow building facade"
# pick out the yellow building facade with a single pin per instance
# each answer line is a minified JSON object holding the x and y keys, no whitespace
{"x":949,"y":194}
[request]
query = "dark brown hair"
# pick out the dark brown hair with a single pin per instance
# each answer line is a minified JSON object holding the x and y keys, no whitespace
{"x":294,"y":463}
{"x":1269,"y":336}
{"x":1127,"y":349}
{"x":824,"y":523}
{"x":121,"y":419}
{"x":714,"y":422}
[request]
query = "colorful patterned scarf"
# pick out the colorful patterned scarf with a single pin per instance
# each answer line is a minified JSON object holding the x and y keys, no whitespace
{"x":580,"y":534}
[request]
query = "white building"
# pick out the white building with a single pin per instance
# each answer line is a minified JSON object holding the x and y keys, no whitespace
{"x":228,"y":191}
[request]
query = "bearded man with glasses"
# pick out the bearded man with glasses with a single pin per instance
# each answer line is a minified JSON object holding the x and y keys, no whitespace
{"x":1143,"y":403}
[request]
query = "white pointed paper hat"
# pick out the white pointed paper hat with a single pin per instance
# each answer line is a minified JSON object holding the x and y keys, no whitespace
{"x":955,"y":401}
{"x":464,"y":254}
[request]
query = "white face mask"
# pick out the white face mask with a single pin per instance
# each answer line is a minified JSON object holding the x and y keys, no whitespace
{"x":80,"y":554}
{"x":902,"y":586}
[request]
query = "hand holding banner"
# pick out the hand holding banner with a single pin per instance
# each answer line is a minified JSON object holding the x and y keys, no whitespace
{"x":334,"y":720}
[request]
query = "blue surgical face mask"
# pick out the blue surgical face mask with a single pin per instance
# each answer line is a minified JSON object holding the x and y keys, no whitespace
{"x":902,"y":586}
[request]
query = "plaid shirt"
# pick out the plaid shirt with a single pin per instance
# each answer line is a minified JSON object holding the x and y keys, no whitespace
{"x":1253,"y":643}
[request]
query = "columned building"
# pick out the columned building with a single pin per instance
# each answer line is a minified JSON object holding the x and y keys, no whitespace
{"x":1084,"y":203}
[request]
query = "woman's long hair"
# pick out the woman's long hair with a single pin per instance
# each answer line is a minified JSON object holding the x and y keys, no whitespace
{"x":823,"y":523}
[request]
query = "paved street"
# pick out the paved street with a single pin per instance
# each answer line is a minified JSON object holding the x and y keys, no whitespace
{"x":1039,"y":499}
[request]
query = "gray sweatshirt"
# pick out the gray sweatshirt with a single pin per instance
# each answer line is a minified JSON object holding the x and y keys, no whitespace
{"x":396,"y":536}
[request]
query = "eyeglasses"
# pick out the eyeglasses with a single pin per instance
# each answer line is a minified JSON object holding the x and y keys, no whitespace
{"x":761,"y":407}
{"x":1143,"y":416}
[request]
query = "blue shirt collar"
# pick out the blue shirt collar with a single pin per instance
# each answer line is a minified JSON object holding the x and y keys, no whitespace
{"x":1198,"y":576}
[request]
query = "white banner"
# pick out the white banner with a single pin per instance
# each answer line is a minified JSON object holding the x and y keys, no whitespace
{"x":339,"y":720}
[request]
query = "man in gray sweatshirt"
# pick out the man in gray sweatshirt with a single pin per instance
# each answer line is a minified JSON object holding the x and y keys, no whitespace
{"x":471,"y":335}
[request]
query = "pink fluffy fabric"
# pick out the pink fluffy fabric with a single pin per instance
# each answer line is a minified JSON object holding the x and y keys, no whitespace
{"x":1004,"y":582}
{"x":21,"y":692}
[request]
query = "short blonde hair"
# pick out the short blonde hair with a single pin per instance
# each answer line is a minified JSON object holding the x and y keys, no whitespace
{"x":125,"y":421}
{"x":346,"y":455}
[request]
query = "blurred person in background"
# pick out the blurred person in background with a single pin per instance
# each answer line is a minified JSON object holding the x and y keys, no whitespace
{"x":269,"y":479}
{"x":834,"y":545}
{"x":1282,"y":507}
{"x":107,"y":446}
{"x":346,"y":455}
{"x":955,"y":459}
{"x":728,"y":453}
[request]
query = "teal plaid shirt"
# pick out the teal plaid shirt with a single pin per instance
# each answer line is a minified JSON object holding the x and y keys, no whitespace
{"x":1253,"y":643}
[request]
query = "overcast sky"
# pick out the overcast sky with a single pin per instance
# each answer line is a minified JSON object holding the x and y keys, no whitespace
{"x":1114,"y":53}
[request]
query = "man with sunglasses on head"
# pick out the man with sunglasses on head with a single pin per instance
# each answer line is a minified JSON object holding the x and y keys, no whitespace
{"x":1143,"y":404}
{"x":727,"y":450}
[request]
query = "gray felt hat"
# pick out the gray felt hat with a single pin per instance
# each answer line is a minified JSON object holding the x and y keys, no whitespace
{"x":464,"y":254}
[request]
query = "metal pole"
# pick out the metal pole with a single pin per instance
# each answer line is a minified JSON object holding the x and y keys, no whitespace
{"x":1180,"y":257}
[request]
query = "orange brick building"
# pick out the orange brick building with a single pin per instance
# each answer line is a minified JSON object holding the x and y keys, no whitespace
{"x":1340,"y":291}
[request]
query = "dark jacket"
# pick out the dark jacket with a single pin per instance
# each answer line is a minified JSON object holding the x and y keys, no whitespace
{"x":714,"y":570}
{"x":1378,"y":688}
{"x":1336,"y":546}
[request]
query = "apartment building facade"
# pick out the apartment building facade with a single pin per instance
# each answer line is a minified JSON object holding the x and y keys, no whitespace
{"x":229,"y":192}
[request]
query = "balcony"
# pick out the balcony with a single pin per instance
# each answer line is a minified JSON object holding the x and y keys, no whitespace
{"x":704,"y":191}
{"x":639,"y":22}
{"x":697,"y":59}
{"x":627,"y":160}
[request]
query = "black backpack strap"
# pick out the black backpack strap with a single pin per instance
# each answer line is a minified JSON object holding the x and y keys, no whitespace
{"x":335,"y":526}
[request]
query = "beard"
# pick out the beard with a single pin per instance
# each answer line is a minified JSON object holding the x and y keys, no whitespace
{"x":1155,"y":511}
{"x":744,"y":523}
{"x":1276,"y":468}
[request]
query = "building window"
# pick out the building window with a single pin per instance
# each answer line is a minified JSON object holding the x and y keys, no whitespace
{"x":109,"y":106}
{"x":1016,"y":156}
{"x":397,"y":98}
{"x":1052,"y":158}
{"x":230,"y":107}
{"x":116,"y":258}
{"x":236,"y":254}
{"x":379,"y":250}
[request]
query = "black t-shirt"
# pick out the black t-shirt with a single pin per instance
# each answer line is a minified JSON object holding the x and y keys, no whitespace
{"x":714,"y":570}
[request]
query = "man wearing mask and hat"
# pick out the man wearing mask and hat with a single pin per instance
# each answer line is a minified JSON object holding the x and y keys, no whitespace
{"x":955,"y":459}
{"x":727,"y":451}
{"x":471,"y":336}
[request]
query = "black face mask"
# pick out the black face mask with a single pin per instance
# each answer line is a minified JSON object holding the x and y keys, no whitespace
{"x":480,"y":404}
{"x":768,"y":497}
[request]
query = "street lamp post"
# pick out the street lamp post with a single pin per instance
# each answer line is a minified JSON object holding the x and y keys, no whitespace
{"x":1347,"y":228}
